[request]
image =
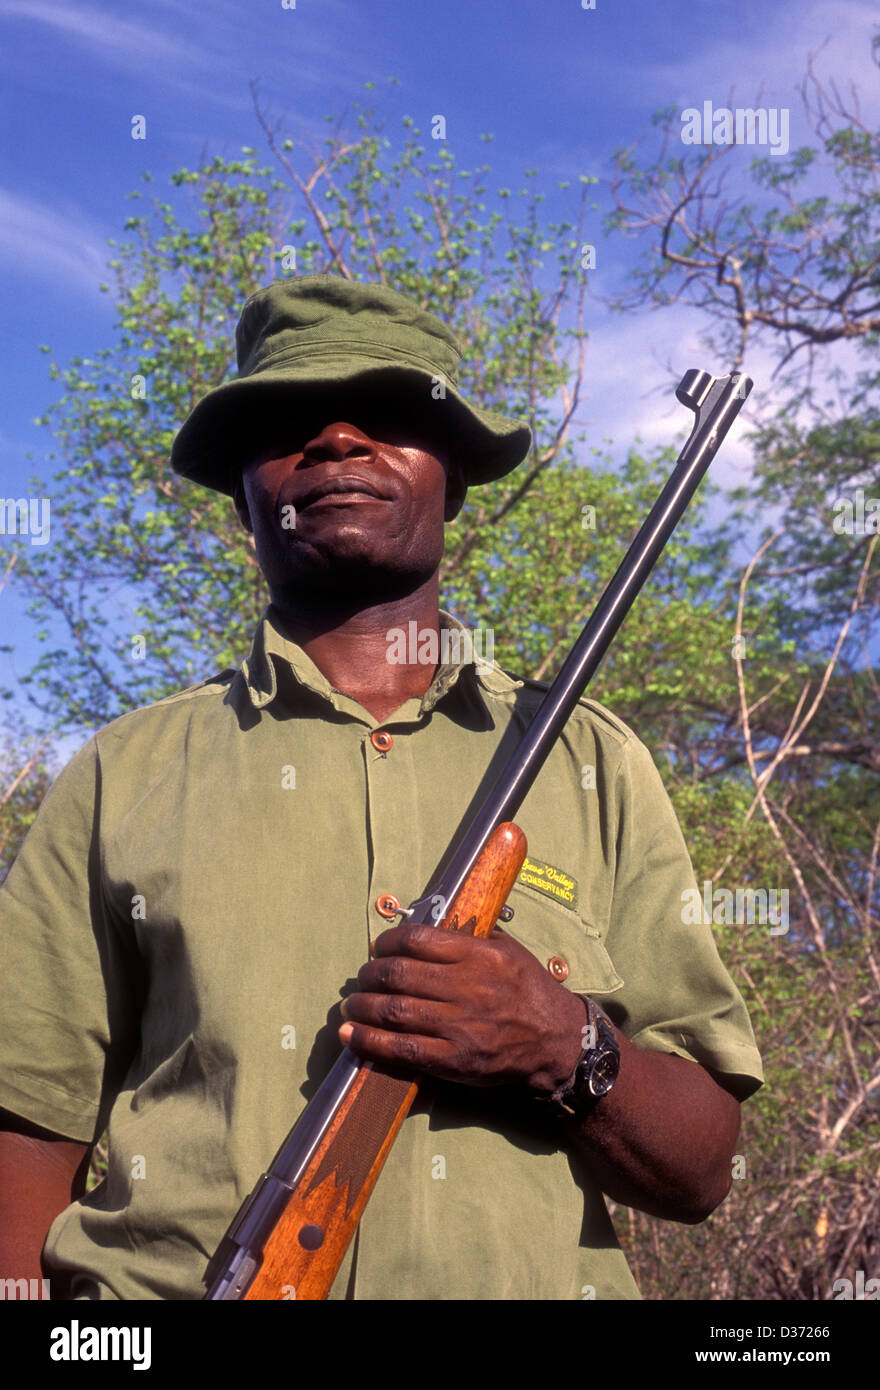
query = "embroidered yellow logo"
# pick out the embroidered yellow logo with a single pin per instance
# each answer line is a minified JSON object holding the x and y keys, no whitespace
{"x":550,"y":880}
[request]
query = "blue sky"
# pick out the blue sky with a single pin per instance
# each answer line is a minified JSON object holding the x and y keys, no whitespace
{"x":558,"y":86}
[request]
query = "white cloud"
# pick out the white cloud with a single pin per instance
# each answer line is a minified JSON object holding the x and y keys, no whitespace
{"x":122,"y":40}
{"x":777,"y":61}
{"x":206,"y":54}
{"x":51,"y":242}
{"x":633,"y":365}
{"x":635,"y":361}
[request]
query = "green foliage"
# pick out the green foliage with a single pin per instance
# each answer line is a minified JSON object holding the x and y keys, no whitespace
{"x":24,"y":780}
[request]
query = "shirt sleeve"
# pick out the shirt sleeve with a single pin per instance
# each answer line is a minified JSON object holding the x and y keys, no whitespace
{"x":678,"y":996}
{"x":68,"y":1028}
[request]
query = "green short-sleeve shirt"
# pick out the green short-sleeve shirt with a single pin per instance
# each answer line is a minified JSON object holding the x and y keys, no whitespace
{"x":199,"y":890}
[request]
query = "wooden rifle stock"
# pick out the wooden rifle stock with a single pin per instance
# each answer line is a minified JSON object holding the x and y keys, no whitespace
{"x":290,"y":1237}
{"x":333,"y":1191}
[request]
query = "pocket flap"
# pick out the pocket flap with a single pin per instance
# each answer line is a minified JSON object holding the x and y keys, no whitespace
{"x":558,"y":934}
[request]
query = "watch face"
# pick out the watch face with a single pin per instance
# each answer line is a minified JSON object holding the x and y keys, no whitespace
{"x":603,"y":1073}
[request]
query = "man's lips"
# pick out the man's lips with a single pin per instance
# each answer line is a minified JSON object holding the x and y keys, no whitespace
{"x":346,"y":487}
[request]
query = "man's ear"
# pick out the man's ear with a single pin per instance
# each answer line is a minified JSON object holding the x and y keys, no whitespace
{"x":456,"y":490}
{"x":240,"y":501}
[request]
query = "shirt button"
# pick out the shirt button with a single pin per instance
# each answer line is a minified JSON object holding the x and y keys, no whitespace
{"x":381,"y":740}
{"x":387,"y":905}
{"x":558,"y":968}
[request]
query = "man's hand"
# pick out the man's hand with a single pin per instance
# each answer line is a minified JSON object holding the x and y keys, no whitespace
{"x":486,"y":1012}
{"x":480,"y":1011}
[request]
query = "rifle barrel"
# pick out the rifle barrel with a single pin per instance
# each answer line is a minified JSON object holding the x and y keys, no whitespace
{"x":716,"y":400}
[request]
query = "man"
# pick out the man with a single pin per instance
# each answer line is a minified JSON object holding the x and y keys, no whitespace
{"x":209,"y":875}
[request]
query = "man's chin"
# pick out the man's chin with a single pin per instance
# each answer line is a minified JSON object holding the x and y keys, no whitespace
{"x":348,"y":576}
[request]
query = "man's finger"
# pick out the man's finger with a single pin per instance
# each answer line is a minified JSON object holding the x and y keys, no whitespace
{"x":406,"y":975}
{"x":397,"y":1013}
{"x":404,"y":1049}
{"x":424,"y":942}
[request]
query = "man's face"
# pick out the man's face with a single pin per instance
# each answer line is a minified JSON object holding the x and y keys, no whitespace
{"x":353,"y":494}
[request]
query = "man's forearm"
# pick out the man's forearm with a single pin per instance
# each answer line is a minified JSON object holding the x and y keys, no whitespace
{"x":38,"y":1179}
{"x":663,"y":1137}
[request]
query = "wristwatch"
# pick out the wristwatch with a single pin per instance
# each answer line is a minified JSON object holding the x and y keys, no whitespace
{"x":596,"y":1069}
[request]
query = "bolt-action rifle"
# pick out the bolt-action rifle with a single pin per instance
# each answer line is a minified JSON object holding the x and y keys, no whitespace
{"x":291,"y":1234}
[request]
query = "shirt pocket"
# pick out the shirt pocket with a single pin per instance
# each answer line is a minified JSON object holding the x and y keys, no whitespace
{"x":564,"y":942}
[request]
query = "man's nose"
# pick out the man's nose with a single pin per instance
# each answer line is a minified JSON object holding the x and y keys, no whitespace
{"x":337,"y":442}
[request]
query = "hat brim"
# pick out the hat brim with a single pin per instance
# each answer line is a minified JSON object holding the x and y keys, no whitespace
{"x":237,"y":421}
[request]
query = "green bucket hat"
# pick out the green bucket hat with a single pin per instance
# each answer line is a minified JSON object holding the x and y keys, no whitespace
{"x":300,"y":340}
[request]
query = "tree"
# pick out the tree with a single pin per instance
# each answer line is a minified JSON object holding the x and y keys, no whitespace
{"x":803,"y":274}
{"x":24,"y":779}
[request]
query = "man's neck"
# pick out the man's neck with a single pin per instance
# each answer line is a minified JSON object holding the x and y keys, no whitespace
{"x":357,"y":652}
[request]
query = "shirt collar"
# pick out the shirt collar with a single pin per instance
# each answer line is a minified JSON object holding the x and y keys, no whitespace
{"x":275,"y":655}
